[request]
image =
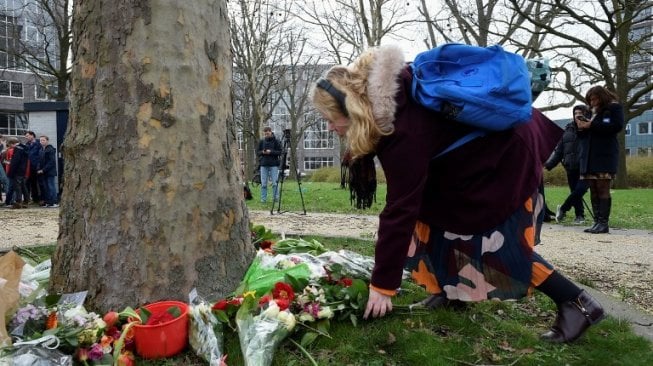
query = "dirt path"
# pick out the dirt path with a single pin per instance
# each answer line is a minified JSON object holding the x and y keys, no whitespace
{"x":619,"y":264}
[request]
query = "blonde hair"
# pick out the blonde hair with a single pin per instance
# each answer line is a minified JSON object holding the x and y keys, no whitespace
{"x":364,"y":131}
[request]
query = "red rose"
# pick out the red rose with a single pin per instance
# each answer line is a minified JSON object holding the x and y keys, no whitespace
{"x":283,"y":291}
{"x":345,"y":281}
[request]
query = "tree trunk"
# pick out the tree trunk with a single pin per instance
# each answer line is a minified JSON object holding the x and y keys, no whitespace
{"x":621,"y":180}
{"x":152,"y":203}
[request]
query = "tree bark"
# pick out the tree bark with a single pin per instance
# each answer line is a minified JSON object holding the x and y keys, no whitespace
{"x":152,"y":203}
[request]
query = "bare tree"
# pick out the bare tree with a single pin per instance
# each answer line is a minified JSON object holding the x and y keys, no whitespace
{"x":258,"y":29}
{"x":606,"y":43}
{"x":43,"y":46}
{"x":484,"y":23}
{"x":152,"y":205}
{"x":300,"y":70}
{"x":351,"y":26}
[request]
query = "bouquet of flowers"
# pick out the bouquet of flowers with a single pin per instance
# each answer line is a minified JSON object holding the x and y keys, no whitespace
{"x":263,"y":323}
{"x":288,"y":287}
{"x":64,"y":321}
{"x":205,"y":333}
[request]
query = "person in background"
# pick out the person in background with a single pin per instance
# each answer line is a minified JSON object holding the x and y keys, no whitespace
{"x":568,"y":152}
{"x":599,"y":157}
{"x":5,"y":158}
{"x":464,"y":223}
{"x":47,"y":172}
{"x":32,"y":180}
{"x":17,"y":173}
{"x":268,"y":151}
{"x":4,"y":181}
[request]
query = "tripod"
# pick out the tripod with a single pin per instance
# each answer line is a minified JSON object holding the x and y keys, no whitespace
{"x":282,"y":174}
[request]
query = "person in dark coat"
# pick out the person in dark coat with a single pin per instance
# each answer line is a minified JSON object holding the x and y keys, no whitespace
{"x":268,"y":151}
{"x":47,"y":172}
{"x":567,"y":152}
{"x":18,"y":171}
{"x":32,"y":183}
{"x":464,"y":223}
{"x":600,"y":152}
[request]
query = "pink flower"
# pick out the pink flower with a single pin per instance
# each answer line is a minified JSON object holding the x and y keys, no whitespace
{"x":95,"y":353}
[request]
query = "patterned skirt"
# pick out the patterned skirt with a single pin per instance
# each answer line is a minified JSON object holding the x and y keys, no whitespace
{"x":497,"y":264}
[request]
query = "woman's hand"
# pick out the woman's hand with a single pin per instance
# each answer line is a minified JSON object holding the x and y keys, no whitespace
{"x":378,"y":304}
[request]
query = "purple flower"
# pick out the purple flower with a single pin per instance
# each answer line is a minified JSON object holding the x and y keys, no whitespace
{"x":95,"y":353}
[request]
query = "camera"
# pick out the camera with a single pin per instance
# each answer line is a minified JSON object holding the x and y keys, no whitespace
{"x":583,"y":118}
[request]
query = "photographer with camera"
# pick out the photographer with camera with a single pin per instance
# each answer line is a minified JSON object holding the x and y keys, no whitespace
{"x":568,"y":152}
{"x":268,"y":151}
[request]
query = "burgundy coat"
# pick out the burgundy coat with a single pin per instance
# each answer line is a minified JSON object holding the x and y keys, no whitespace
{"x":468,"y":190}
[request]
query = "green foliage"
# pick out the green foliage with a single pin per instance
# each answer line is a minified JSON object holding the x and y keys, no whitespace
{"x":640,"y":171}
{"x":329,"y":175}
{"x":639,"y":168}
{"x":299,"y":245}
{"x":332,"y":175}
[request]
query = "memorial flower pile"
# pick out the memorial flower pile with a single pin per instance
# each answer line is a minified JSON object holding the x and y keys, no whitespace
{"x":292,"y":292}
{"x":293,"y":295}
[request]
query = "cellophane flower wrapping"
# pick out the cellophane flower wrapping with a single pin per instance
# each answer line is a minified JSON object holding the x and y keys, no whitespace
{"x":34,"y":355}
{"x":206,"y":335}
{"x":265,"y":271}
{"x":261,"y":331}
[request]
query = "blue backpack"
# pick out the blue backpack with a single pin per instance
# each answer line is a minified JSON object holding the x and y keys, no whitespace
{"x":486,"y":87}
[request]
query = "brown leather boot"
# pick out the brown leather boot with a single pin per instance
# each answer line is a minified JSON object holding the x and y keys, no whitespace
{"x":574,"y":317}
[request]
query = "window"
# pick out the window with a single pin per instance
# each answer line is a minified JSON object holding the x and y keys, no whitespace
{"x":644,"y":128}
{"x":318,"y":137}
{"x":627,"y":129}
{"x":13,"y":123}
{"x":10,"y":35}
{"x":45,"y":91}
{"x":313,"y":163}
{"x":11,"y":89}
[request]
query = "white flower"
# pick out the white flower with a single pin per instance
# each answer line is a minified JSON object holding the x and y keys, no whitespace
{"x":287,"y":318}
{"x":272,"y":310}
{"x":306,"y":317}
{"x":325,"y":313}
{"x":99,"y":323}
{"x":77,"y":311}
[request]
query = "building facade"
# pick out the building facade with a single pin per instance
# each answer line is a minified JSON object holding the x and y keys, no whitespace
{"x":19,"y":85}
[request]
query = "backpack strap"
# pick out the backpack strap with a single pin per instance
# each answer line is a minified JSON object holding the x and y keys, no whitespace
{"x":461,"y":141}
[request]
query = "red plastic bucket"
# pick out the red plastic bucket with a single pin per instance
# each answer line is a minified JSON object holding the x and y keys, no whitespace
{"x":165,"y":339}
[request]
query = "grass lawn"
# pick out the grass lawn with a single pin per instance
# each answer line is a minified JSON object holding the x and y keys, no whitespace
{"x":631,"y":208}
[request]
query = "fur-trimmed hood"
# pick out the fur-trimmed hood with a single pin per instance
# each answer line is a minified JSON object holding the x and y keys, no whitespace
{"x":383,"y":82}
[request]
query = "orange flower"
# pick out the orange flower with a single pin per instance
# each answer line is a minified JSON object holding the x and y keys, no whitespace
{"x":126,"y":359}
{"x":283,"y":291}
{"x":106,"y":341}
{"x":130,"y":332}
{"x":52,"y":321}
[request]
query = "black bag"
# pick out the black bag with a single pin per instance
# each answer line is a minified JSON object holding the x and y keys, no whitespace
{"x":247,"y":193}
